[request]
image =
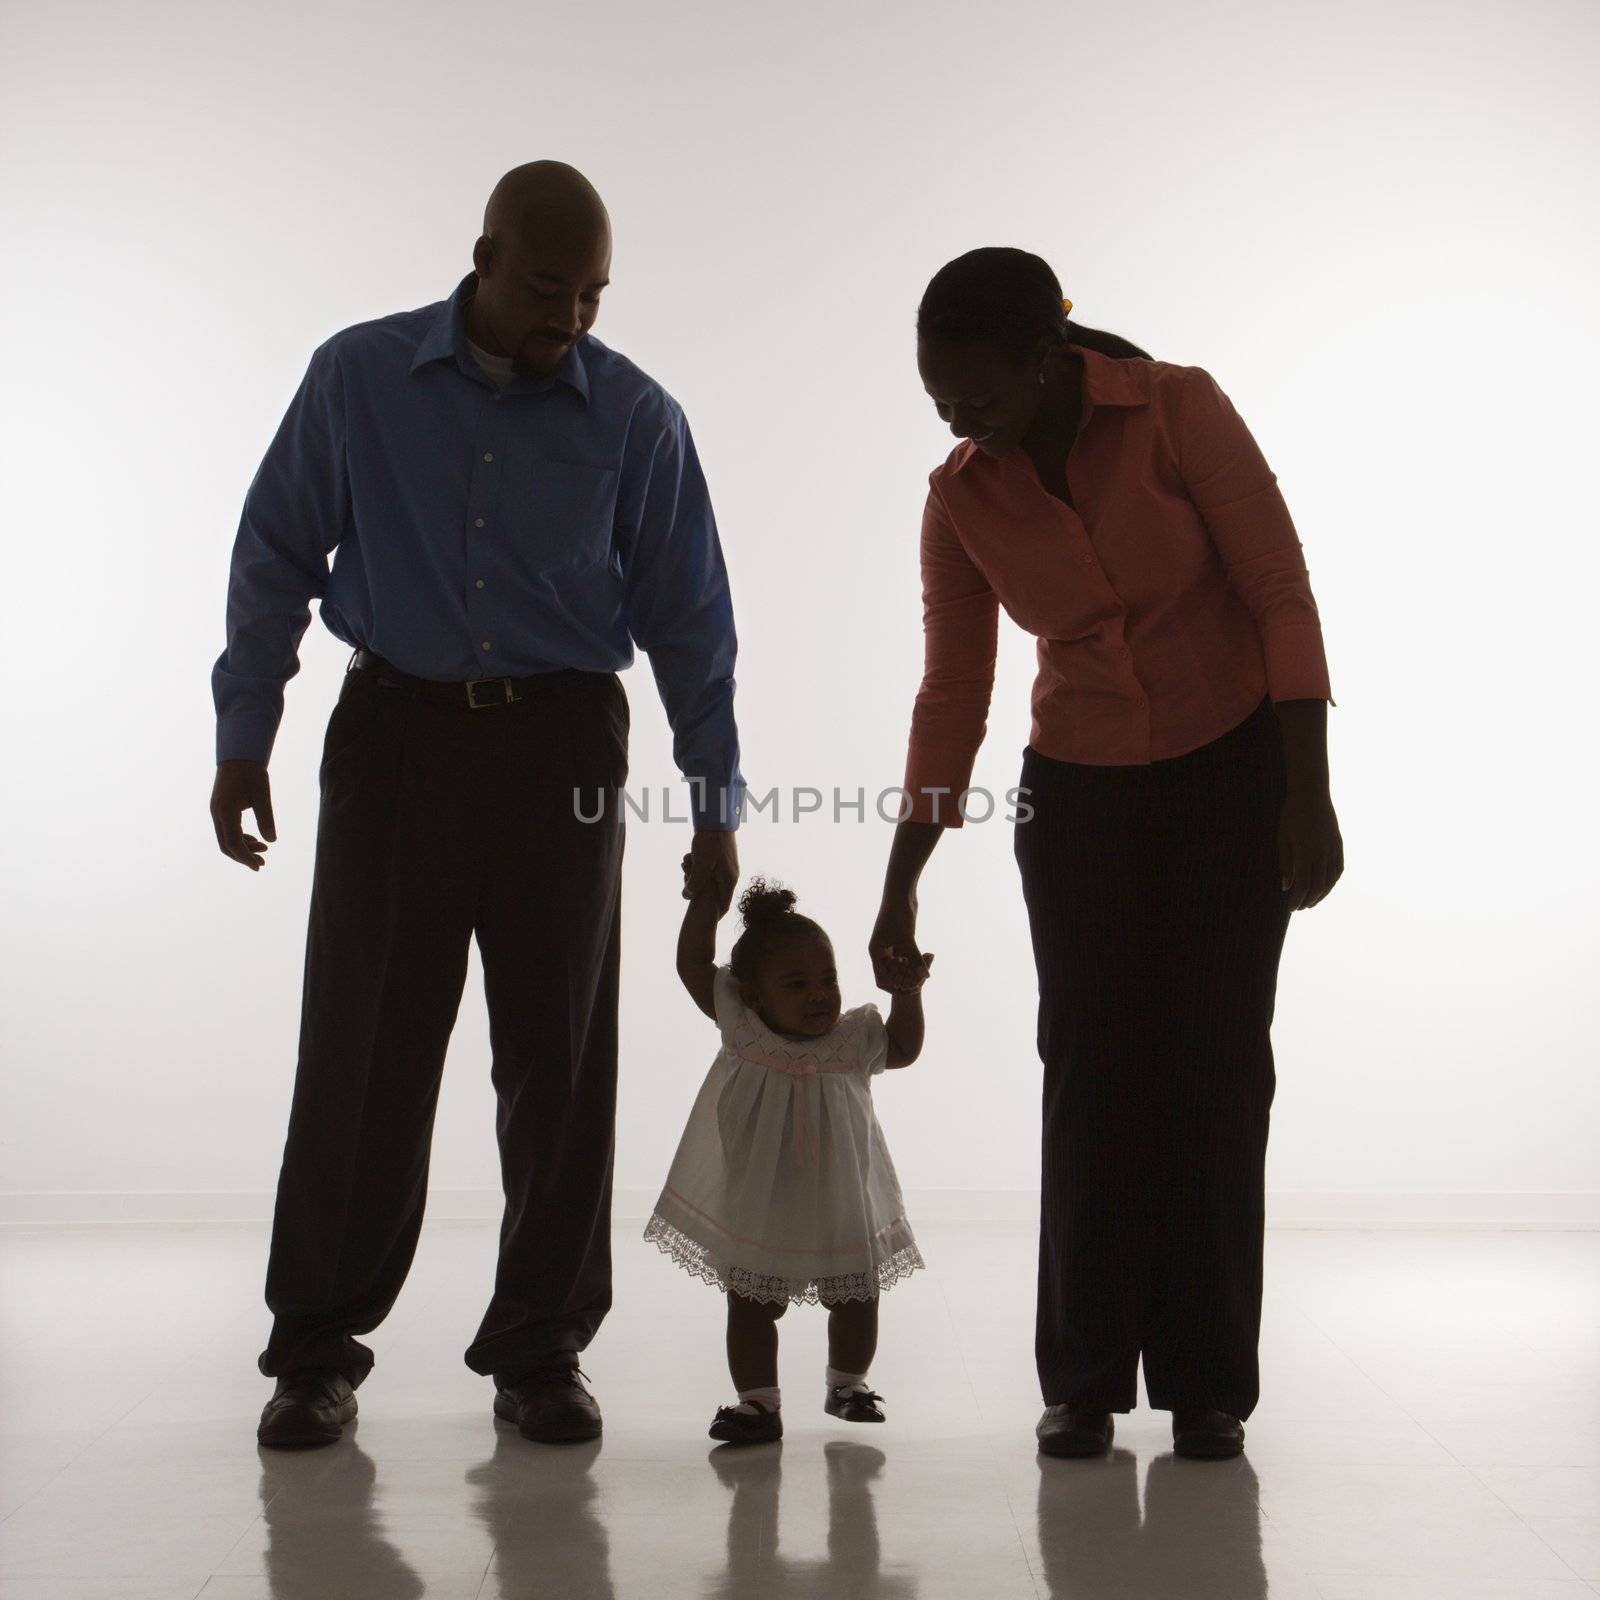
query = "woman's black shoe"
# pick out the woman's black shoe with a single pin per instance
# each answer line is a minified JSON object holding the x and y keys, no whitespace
{"x":1204,"y":1435}
{"x":1061,"y":1431}
{"x":733,"y":1426}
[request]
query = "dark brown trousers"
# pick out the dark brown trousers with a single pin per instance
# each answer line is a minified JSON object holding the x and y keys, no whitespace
{"x":440,"y":824}
{"x":1157,"y":919}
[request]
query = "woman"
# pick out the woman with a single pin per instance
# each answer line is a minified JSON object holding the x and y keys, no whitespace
{"x":1176,"y":771}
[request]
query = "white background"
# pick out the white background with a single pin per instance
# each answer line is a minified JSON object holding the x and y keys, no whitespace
{"x":1375,"y":224}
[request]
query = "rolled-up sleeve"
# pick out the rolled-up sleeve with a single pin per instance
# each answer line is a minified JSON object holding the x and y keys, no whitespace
{"x":295,"y":513}
{"x":680,"y":612}
{"x":1237,"y":496}
{"x":960,"y":632}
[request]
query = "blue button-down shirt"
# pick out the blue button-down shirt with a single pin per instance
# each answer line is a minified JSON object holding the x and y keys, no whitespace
{"x":484,"y":532}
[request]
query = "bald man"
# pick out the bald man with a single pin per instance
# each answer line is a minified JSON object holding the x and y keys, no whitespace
{"x":511,"y":507}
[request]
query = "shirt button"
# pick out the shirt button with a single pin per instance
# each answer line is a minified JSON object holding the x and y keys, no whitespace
{"x":477,"y":522}
{"x":480,"y":583}
{"x":488,"y":455}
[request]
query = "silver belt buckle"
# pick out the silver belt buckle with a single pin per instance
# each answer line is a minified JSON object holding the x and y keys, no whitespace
{"x":507,"y":693}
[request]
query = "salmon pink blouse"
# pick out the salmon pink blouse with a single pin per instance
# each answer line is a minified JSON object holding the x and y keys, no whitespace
{"x":1166,"y":605}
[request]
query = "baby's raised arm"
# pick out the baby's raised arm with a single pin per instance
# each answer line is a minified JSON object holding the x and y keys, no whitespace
{"x":904,"y":1023}
{"x":697,"y":945}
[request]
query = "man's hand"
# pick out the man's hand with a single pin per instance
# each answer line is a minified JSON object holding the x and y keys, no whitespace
{"x":242,"y":786}
{"x":712,"y":864}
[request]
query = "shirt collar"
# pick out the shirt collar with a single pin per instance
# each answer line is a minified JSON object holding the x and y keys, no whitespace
{"x":1107,"y":381}
{"x":446,"y":339}
{"x":1114,"y":380}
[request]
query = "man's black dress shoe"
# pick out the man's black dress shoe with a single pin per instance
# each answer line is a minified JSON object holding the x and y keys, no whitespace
{"x":1064,"y":1432}
{"x":1204,"y":1435}
{"x":733,"y":1426}
{"x":308,"y":1408}
{"x":550,"y":1406}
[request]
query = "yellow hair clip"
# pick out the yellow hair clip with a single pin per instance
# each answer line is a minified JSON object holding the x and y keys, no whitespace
{"x":1066,"y":305}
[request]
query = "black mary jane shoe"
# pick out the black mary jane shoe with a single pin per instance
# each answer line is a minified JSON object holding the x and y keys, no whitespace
{"x":1061,"y":1431}
{"x":733,"y":1426}
{"x":854,"y":1405}
{"x":550,"y":1406}
{"x":308,"y":1408}
{"x":1204,"y":1435}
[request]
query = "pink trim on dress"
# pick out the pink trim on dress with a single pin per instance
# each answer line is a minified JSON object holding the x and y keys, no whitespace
{"x":797,"y":1069}
{"x":761,"y":1244}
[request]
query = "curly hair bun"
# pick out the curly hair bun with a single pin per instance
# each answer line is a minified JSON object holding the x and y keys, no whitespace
{"x":765,"y":903}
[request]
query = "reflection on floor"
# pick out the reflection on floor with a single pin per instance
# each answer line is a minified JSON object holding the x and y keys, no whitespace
{"x":1428,"y":1428}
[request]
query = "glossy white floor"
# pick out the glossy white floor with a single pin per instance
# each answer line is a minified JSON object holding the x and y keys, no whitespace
{"x":1430,"y":1427}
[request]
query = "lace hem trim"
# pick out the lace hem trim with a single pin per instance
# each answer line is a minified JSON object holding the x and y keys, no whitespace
{"x":774,"y":1288}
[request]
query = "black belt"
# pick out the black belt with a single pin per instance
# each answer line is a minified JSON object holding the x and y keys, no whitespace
{"x":475,"y":693}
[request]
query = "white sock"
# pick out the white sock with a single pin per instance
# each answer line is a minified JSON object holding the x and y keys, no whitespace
{"x":845,"y":1380}
{"x":768,"y":1397}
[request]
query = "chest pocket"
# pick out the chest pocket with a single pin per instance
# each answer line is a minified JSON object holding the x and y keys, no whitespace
{"x":561,"y":512}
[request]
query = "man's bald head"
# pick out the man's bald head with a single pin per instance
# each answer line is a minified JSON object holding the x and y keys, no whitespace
{"x":542,"y":260}
{"x":545,"y":196}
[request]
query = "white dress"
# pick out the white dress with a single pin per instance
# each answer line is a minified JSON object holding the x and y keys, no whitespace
{"x":782,"y":1188}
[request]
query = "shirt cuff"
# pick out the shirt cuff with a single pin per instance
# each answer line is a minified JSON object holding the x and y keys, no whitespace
{"x":935,"y":781}
{"x":715,"y":808}
{"x":244,"y":741}
{"x":1297,"y":664}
